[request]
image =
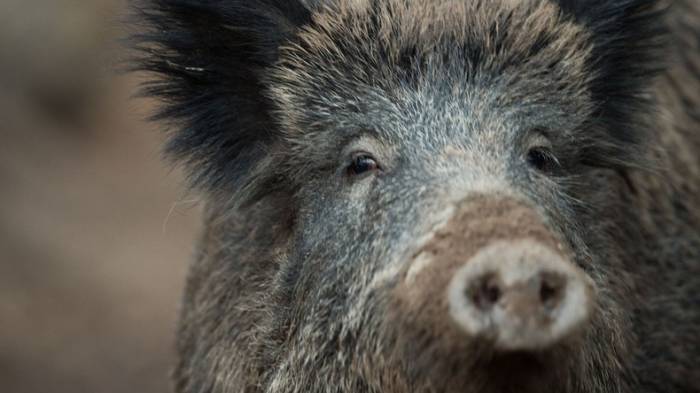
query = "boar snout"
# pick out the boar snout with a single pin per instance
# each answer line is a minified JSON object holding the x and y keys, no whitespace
{"x":494,"y":276}
{"x":521,"y":294}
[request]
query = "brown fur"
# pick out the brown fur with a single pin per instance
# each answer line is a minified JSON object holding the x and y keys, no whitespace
{"x":264,"y":314}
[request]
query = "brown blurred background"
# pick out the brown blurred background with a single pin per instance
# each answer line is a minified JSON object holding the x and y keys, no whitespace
{"x":95,"y":231}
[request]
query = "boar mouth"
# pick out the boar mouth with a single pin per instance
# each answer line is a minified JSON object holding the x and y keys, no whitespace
{"x":490,"y":372}
{"x":523,"y":367}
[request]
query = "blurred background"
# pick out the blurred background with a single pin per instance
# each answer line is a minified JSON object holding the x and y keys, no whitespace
{"x":95,"y":231}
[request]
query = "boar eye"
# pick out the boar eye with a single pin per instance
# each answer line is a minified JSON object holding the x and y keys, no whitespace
{"x":362,"y":163}
{"x":542,"y":159}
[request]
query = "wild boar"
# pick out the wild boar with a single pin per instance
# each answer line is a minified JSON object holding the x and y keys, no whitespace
{"x":444,"y":196}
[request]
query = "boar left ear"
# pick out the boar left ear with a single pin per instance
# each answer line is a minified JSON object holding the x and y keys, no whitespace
{"x":208,"y":59}
{"x":628,"y":35}
{"x":628,"y":44}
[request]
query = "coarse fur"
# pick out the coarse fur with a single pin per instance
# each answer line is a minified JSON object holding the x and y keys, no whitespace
{"x":295,"y":282}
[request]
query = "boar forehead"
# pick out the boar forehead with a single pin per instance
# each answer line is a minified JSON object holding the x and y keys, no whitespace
{"x":443,"y":66}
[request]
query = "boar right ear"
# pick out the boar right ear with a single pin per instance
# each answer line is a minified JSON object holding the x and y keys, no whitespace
{"x":209,"y":58}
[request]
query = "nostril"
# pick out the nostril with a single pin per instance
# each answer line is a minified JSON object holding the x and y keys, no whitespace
{"x":547,"y":292}
{"x":487,"y":292}
{"x":552,"y":288}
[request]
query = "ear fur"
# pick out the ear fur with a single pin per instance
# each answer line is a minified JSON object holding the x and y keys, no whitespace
{"x":629,"y":38}
{"x":209,"y":58}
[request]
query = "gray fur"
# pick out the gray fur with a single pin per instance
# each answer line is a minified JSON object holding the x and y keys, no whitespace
{"x":291,"y":288}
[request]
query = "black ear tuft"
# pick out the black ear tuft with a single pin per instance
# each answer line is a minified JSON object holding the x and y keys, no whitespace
{"x":629,"y":39}
{"x":209,"y":58}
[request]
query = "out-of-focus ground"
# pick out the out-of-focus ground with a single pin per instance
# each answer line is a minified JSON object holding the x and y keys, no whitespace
{"x":95,"y":231}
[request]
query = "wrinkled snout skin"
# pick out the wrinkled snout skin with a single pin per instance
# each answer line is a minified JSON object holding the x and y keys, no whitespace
{"x":436,"y":196}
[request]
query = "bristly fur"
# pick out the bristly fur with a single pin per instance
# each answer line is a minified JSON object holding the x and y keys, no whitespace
{"x":209,"y":57}
{"x":629,"y":45}
{"x":271,"y":101}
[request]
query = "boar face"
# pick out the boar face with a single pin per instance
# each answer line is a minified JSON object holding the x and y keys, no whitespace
{"x":445,"y":173}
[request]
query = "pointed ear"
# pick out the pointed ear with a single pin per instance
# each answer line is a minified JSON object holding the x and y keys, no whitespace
{"x":628,"y":45}
{"x":209,"y":59}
